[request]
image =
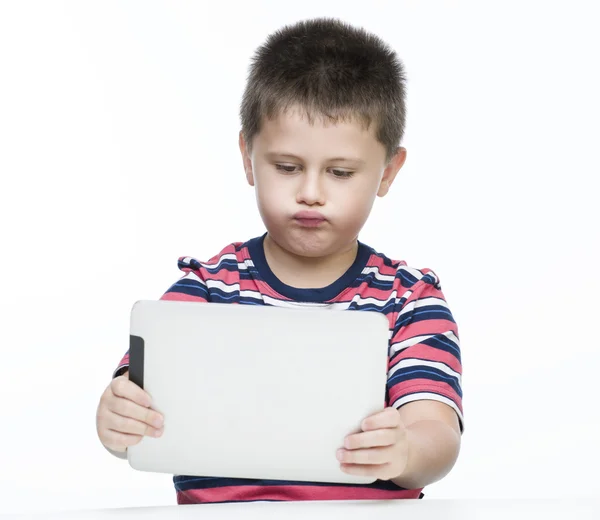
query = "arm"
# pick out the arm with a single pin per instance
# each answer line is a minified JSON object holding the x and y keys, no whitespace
{"x":416,"y":440}
{"x":413,"y":446}
{"x":433,"y":443}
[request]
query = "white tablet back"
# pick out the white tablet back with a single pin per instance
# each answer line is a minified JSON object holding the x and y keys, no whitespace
{"x":255,"y":391}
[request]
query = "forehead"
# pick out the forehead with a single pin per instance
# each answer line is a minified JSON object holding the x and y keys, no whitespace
{"x":301,"y":132}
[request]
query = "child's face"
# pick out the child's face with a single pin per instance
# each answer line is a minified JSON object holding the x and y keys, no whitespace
{"x":331,"y":171}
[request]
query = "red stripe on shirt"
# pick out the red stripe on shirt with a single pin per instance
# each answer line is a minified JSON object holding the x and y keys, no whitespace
{"x":377,"y":261}
{"x":383,"y":295}
{"x":424,"y":328}
{"x":289,"y":493}
{"x":412,"y":386}
{"x":222,"y":275}
{"x":181,"y":297}
{"x":420,"y":351}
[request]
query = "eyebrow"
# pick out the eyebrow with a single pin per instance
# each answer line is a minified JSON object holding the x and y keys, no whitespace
{"x":275,"y":155}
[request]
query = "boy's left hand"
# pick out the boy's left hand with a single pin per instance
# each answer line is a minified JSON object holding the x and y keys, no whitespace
{"x":380,"y":450}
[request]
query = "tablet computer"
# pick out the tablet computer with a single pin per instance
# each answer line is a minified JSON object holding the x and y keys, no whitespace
{"x":255,"y":391}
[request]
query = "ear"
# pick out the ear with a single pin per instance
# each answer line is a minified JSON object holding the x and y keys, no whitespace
{"x":391,"y":170}
{"x":246,"y":160}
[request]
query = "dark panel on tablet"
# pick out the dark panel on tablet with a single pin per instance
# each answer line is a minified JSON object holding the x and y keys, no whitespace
{"x":136,"y":360}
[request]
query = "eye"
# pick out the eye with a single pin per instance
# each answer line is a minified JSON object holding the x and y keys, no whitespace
{"x":342,"y":174}
{"x":287,"y":168}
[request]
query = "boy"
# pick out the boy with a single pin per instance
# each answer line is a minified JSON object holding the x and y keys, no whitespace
{"x":322,"y":117}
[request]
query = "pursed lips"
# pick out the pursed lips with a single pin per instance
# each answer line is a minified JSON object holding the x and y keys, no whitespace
{"x":309,"y":218}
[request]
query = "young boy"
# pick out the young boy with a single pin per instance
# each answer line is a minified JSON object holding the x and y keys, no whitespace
{"x":322,"y":117}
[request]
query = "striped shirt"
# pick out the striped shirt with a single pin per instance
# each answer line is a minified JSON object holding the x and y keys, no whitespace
{"x":424,"y":349}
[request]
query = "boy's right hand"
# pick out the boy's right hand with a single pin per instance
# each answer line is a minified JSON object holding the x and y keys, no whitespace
{"x":124,"y":415}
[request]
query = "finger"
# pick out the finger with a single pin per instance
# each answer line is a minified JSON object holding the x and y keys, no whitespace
{"x":363,"y":470}
{"x":371,"y":439}
{"x":129,"y":409}
{"x":388,"y":418}
{"x":121,"y":424}
{"x":118,"y":441}
{"x":368,"y":456}
{"x":122,"y":387}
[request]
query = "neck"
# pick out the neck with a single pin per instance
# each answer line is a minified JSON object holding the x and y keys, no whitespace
{"x":308,"y":272}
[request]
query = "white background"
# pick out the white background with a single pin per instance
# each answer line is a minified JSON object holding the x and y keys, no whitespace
{"x":118,"y":154}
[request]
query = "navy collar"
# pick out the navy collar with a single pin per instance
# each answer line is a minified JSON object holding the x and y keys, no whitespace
{"x":317,"y":295}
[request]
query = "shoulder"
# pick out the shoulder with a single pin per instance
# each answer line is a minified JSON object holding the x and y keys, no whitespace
{"x":203,"y":279}
{"x":407,"y":276}
{"x":227,"y":258}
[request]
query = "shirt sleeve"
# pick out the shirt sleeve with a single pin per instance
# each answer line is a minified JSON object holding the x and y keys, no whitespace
{"x":425,"y":358}
{"x":190,"y":287}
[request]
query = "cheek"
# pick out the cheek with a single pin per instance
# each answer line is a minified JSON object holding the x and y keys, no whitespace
{"x":358,"y":212}
{"x":358,"y":200}
{"x":269,"y":196}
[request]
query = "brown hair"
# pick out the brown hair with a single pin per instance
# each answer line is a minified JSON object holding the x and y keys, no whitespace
{"x":330,"y":69}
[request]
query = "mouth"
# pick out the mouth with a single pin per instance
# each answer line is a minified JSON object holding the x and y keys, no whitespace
{"x":309,"y":218}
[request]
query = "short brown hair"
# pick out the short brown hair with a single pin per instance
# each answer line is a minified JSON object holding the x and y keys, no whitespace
{"x":330,"y":69}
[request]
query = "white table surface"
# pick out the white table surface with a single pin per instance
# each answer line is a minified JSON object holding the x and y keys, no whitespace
{"x":426,"y":509}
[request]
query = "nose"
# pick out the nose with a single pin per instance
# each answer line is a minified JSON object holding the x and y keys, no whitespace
{"x":310,"y":191}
